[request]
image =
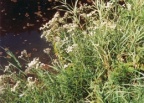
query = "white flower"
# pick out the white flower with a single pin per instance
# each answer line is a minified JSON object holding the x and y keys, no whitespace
{"x":37,"y":65}
{"x":41,"y":28}
{"x":70,"y":48}
{"x":70,"y":27}
{"x":33,"y":63}
{"x":84,"y":32}
{"x":111,"y":25}
{"x":83,"y":15}
{"x":91,"y":33}
{"x":56,"y":15}
{"x":7,"y":68}
{"x":91,"y":13}
{"x":47,"y":50}
{"x":108,"y":24}
{"x":65,"y":26}
{"x":95,"y":45}
{"x":74,"y":45}
{"x":57,"y":38}
{"x":23,"y":54}
{"x":108,"y":5}
{"x":66,"y":65}
{"x":30,"y":81}
{"x":128,"y":6}
{"x":42,"y":65}
{"x":65,"y":15}
{"x":13,"y":89}
{"x":21,"y":95}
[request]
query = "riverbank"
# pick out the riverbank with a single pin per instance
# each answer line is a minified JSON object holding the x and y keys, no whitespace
{"x":100,"y":52}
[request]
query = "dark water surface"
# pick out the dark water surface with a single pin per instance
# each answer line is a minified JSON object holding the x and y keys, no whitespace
{"x":29,"y":41}
{"x":20,"y":21}
{"x":22,"y":15}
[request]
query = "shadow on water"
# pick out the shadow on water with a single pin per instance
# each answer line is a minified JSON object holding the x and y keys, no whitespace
{"x":19,"y":24}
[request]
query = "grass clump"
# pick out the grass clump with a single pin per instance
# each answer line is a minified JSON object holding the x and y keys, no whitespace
{"x":100,"y":52}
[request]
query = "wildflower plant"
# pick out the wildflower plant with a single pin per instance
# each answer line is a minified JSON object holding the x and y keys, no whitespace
{"x":99,"y":52}
{"x":108,"y":39}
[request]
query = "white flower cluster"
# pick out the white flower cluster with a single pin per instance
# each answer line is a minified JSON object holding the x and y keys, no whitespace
{"x":23,"y":54}
{"x":31,"y":82}
{"x":47,"y":50}
{"x":91,"y":13}
{"x":67,"y":65}
{"x":71,"y":48}
{"x":34,"y":64}
{"x":88,"y":19}
{"x":109,"y":24}
{"x":129,"y":6}
{"x":109,"y":5}
{"x":70,"y":27}
{"x":51,"y":22}
{"x":51,"y":28}
{"x":68,"y":23}
{"x":7,"y":68}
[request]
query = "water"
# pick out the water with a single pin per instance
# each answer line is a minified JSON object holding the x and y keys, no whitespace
{"x":29,"y":41}
{"x":19,"y":27}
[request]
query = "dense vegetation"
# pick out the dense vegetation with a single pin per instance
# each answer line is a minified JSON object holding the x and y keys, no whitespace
{"x":99,"y":52}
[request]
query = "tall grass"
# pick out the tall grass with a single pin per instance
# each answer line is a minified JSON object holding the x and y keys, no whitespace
{"x":100,"y":52}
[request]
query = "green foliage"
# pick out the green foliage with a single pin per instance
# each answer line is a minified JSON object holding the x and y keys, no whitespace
{"x":12,"y":59}
{"x":100,"y":52}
